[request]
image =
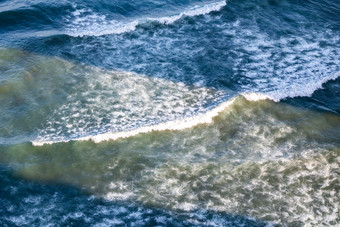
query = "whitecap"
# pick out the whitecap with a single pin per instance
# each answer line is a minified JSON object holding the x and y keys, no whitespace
{"x":85,"y":22}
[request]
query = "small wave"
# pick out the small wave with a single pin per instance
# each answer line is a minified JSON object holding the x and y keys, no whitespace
{"x":88,"y":23}
{"x":301,"y":90}
{"x":204,"y":118}
{"x":295,"y":90}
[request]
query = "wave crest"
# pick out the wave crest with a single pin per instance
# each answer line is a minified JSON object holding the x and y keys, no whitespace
{"x":88,"y":23}
{"x":203,"y":118}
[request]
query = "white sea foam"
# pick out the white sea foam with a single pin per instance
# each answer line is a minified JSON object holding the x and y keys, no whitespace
{"x":87,"y":23}
{"x":182,"y":124}
{"x":257,"y":96}
{"x":298,"y":89}
{"x":194,"y":11}
{"x":290,"y":66}
{"x":302,"y":89}
{"x":284,"y":68}
{"x":126,"y":104}
{"x":189,"y":122}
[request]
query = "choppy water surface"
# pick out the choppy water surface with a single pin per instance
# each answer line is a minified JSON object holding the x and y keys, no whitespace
{"x":170,"y":113}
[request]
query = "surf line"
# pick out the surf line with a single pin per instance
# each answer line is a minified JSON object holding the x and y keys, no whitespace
{"x":202,"y":118}
{"x":116,"y":27}
{"x":176,"y":125}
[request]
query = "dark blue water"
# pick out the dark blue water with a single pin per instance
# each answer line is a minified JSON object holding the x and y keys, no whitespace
{"x":188,"y":112}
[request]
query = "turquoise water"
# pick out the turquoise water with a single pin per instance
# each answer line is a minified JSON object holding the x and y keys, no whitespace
{"x":169,"y":113}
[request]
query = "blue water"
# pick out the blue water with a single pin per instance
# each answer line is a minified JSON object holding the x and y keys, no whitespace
{"x":169,"y":113}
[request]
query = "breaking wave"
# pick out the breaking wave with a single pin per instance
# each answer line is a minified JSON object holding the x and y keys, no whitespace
{"x":85,"y":22}
{"x":184,"y":123}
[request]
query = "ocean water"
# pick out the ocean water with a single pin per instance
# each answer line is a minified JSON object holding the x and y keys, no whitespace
{"x":170,"y":113}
